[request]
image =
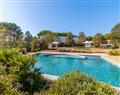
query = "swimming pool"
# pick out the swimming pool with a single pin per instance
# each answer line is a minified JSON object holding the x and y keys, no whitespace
{"x":95,"y":66}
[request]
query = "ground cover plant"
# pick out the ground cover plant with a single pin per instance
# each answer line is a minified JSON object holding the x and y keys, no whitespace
{"x":77,"y":83}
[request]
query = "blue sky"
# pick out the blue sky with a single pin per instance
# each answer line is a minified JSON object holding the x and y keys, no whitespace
{"x":89,"y":16}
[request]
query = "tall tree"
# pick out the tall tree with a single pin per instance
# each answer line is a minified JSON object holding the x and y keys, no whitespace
{"x":98,"y":39}
{"x":107,"y":36}
{"x":12,"y":32}
{"x":3,"y":37}
{"x":48,"y":38}
{"x":28,"y":39}
{"x":115,"y":35}
{"x":43,"y":32}
{"x":81,"y":38}
{"x":69,"y":41}
{"x":62,"y":33}
{"x":35,"y":44}
{"x":89,"y":38}
{"x":21,"y":44}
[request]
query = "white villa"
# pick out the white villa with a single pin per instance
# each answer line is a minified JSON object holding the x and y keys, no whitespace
{"x":91,"y":44}
{"x":54,"y":44}
{"x":88,"y":44}
{"x":106,"y":44}
{"x":60,"y":42}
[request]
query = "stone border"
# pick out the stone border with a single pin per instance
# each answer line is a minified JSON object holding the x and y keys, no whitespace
{"x":111,"y":61}
{"x":50,"y":77}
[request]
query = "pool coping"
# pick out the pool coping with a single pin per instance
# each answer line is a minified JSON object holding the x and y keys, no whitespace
{"x":111,"y":61}
{"x":50,"y":77}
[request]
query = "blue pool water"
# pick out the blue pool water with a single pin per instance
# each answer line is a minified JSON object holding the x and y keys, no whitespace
{"x":95,"y":66}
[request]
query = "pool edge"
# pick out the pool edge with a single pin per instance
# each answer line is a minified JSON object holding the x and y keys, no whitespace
{"x":96,"y":54}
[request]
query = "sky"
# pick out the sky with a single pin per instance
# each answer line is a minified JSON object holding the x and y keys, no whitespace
{"x":89,"y":16}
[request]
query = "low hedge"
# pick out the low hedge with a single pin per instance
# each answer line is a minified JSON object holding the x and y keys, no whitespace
{"x":115,"y":52}
{"x":78,"y":84}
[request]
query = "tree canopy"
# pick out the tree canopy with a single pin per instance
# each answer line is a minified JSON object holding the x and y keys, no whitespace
{"x":81,"y":38}
{"x":62,"y":33}
{"x":10,"y":34}
{"x":107,"y":36}
{"x":69,"y":41}
{"x":89,"y":38}
{"x":35,"y":44}
{"x":115,"y":35}
{"x":28,"y":39}
{"x":43,"y":32}
{"x":47,"y":39}
{"x":98,"y":39}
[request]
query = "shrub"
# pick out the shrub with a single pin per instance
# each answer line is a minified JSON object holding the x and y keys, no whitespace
{"x":114,"y":52}
{"x":17,"y":75}
{"x":78,"y":84}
